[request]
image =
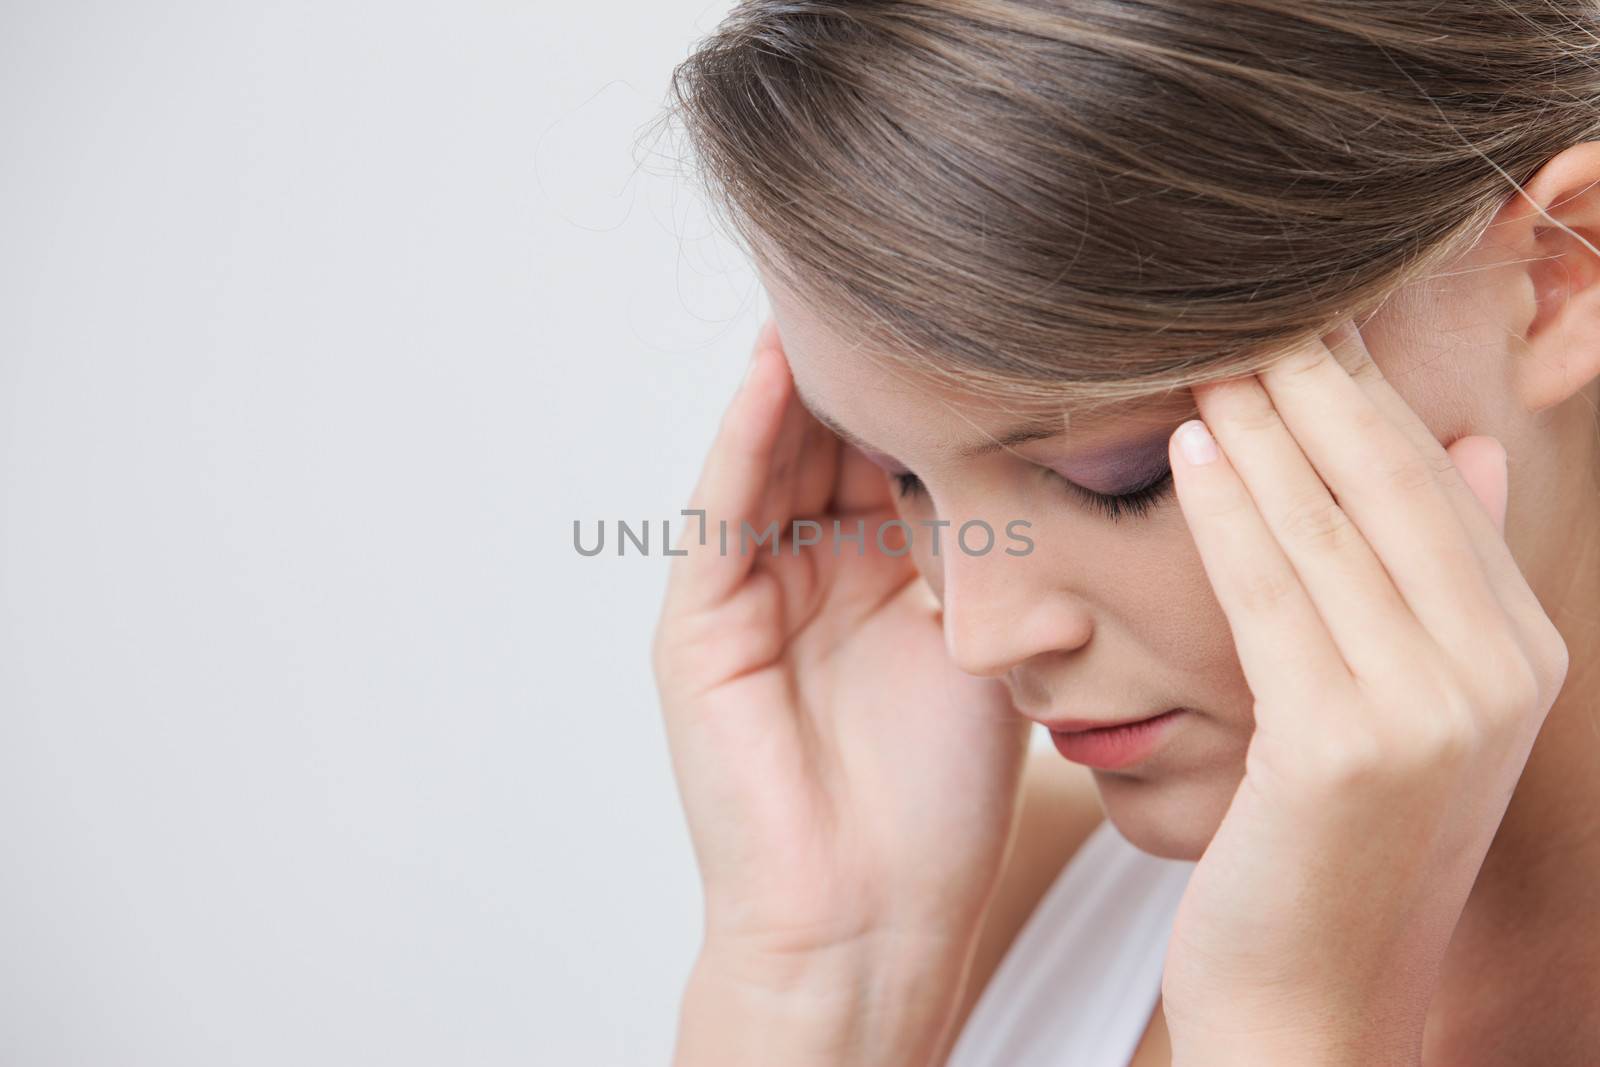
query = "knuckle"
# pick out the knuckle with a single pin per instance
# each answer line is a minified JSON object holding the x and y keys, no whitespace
{"x":1507,"y":680}
{"x":1366,"y":372}
{"x":1255,"y":415}
{"x":1301,"y":360}
{"x":678,"y":639}
{"x":1316,"y":521}
{"x":1352,"y":759}
{"x":1442,"y":721}
{"x":1411,"y":742}
{"x":1264,"y":590}
{"x":1368,"y":421}
{"x":1515,"y":686}
{"x":1551,"y":660}
{"x":1407,"y":474}
{"x":1448,"y":732}
{"x":1443,"y":467}
{"x":1396,"y":742}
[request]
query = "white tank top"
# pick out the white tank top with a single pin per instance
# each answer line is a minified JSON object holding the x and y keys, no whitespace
{"x":1079,"y":983}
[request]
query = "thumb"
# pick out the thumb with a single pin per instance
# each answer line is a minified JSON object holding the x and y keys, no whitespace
{"x":1482,"y":463}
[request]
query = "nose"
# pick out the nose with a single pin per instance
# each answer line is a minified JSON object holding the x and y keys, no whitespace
{"x":1000,"y":611}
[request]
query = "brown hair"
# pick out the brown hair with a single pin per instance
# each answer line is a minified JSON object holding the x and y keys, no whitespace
{"x":1097,"y":200}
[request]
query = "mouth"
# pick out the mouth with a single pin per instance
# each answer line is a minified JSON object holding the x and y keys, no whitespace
{"x":1111,"y":745}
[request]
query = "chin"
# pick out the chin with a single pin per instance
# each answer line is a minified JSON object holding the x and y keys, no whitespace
{"x":1170,"y":816}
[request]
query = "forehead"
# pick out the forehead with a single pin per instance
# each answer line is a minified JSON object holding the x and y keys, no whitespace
{"x":863,"y":393}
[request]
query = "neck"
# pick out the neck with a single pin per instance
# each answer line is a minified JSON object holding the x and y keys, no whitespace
{"x":1522,"y":974}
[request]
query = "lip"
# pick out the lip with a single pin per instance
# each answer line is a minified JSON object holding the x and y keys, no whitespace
{"x":1112,"y":745}
{"x":1072,"y":726}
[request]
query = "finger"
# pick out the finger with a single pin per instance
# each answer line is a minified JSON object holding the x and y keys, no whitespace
{"x":1392,"y":493}
{"x":1283,"y":645}
{"x":732,"y":484}
{"x":1359,"y":605}
{"x":1503,"y":573}
{"x":807,"y":464}
{"x":818,"y":471}
{"x":1482,"y":463}
{"x":861,"y":487}
{"x":788,"y":461}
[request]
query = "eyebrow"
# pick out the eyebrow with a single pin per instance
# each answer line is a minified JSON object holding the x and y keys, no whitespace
{"x":1037,"y":430}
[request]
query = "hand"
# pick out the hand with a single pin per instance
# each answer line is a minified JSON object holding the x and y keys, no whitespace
{"x":850,"y":793}
{"x":1401,"y":669}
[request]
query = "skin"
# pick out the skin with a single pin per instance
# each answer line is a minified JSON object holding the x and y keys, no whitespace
{"x":1128,"y":620}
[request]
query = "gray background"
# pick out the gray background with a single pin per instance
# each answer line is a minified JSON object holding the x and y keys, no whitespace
{"x":319,"y":324}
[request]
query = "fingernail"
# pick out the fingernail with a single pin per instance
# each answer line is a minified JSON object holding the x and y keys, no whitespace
{"x":1196,"y":443}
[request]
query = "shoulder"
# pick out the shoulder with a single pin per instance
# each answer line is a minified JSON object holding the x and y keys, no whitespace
{"x":1058,"y":809}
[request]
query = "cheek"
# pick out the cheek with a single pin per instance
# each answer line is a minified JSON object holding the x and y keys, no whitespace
{"x":1154,"y":587}
{"x":1182,"y":623}
{"x":1179,"y":609}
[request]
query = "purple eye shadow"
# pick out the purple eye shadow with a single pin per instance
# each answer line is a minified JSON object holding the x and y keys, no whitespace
{"x":1117,"y":469}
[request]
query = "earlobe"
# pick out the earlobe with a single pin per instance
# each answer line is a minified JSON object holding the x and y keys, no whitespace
{"x":1561,"y":350}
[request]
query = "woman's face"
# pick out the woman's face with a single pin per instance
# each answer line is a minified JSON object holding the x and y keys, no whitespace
{"x":1110,"y":616}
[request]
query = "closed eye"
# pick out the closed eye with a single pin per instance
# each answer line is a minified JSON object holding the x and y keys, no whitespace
{"x":1137,"y":502}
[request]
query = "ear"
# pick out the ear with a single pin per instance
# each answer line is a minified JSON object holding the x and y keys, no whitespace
{"x":1561,"y":350}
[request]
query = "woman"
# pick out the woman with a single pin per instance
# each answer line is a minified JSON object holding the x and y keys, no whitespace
{"x":1263,"y":338}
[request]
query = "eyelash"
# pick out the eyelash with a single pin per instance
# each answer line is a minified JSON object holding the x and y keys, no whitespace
{"x":1137,"y":502}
